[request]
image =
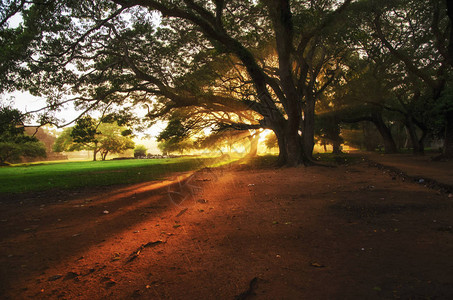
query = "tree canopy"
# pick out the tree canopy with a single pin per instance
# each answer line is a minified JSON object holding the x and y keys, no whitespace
{"x":243,"y":64}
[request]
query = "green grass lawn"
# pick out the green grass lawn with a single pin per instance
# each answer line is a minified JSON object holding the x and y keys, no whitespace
{"x":70,"y":175}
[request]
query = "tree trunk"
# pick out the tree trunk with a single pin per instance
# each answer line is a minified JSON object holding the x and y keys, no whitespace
{"x":293,"y":149}
{"x":253,"y":145}
{"x":290,"y":148}
{"x":389,"y":142}
{"x":417,"y":144}
{"x":308,"y":133}
{"x":336,"y":147}
{"x":104,"y":155}
{"x":369,"y":142}
{"x":448,"y":137}
{"x":95,"y":151}
{"x":282,"y":154}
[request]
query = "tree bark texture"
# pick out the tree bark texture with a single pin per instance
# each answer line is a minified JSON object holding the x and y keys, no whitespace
{"x":417,"y":143}
{"x":389,"y":142}
{"x":308,"y":132}
{"x":448,"y":137}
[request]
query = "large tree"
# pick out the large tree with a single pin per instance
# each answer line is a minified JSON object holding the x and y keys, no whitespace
{"x":401,"y":72}
{"x":417,"y":34}
{"x":273,"y":58}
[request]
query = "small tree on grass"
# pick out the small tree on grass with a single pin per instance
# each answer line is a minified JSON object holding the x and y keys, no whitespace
{"x":113,"y":139}
{"x":174,"y":138}
{"x":14,"y":143}
{"x":140,"y":151}
{"x":103,"y":138}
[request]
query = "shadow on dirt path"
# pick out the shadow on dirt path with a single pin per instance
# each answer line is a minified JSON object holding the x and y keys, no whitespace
{"x":36,"y":236}
{"x":351,"y":232}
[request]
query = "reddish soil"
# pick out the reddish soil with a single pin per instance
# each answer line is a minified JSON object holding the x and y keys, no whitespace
{"x":351,"y":232}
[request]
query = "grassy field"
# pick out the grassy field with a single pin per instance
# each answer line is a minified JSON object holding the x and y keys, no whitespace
{"x":70,"y":175}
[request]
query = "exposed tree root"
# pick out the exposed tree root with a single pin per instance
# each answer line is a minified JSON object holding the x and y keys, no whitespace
{"x":428,"y":182}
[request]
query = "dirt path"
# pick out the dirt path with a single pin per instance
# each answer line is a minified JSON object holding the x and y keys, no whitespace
{"x":416,"y":166}
{"x":351,"y":232}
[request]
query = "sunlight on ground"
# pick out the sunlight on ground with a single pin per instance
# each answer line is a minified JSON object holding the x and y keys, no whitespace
{"x":155,"y":224}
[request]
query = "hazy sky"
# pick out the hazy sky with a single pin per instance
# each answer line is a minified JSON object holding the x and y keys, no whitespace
{"x":26,"y":103}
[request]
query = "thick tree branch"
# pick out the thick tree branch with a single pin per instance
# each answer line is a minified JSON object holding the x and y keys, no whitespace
{"x":439,"y":39}
{"x":202,"y":12}
{"x":327,"y":21}
{"x":72,"y":47}
{"x":410,"y":66}
{"x":450,"y":42}
{"x":228,"y":43}
{"x":280,"y":14}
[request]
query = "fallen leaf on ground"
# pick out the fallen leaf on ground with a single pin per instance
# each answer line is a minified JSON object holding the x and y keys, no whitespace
{"x":55,"y":277}
{"x":181,"y":212}
{"x":316,"y":265}
{"x":110,"y":283}
{"x":71,"y":275}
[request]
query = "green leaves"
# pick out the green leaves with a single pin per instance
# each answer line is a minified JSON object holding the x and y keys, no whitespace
{"x":14,"y":143}
{"x":84,"y":131}
{"x":101,"y":137}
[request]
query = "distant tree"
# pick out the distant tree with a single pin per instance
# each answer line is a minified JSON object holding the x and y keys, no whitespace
{"x":175,"y":137}
{"x":103,"y":138}
{"x":327,"y":131}
{"x":113,"y":139}
{"x":175,"y":145}
{"x":140,"y":151}
{"x":14,"y":143}
{"x":221,"y":138}
{"x":82,"y":136}
{"x":271,"y":141}
{"x":65,"y":142}
{"x":84,"y":132}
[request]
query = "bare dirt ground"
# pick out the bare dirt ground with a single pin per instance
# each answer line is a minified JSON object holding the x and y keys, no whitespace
{"x":351,"y":232}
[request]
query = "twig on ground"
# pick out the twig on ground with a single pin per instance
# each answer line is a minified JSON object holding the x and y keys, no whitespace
{"x":137,"y":252}
{"x":182,"y":212}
